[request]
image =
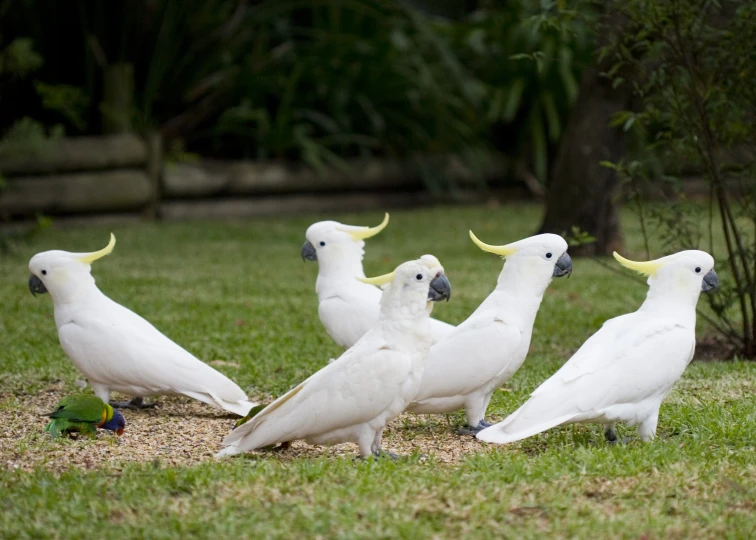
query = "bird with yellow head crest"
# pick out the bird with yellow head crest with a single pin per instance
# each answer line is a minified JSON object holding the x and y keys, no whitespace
{"x":116,"y":349}
{"x":347,"y":307}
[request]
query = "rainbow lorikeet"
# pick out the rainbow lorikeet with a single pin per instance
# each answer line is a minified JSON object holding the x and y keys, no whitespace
{"x":84,"y":413}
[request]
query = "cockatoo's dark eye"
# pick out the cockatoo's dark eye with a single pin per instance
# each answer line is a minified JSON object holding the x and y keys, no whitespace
{"x":419,"y":277}
{"x":322,"y":244}
{"x":698,"y":269}
{"x":548,"y":255}
{"x":44,"y":272}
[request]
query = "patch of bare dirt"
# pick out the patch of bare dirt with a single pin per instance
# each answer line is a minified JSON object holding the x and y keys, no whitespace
{"x":181,"y":431}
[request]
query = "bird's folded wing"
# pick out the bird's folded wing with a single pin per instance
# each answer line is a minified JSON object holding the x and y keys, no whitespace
{"x":616,"y":339}
{"x":469,"y":358}
{"x":128,"y":349}
{"x":346,"y":321}
{"x":79,"y":408}
{"x":354,"y":389}
{"x":640,"y":364}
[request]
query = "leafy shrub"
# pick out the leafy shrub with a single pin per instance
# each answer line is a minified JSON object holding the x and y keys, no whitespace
{"x":692,"y":69}
{"x":319,"y":80}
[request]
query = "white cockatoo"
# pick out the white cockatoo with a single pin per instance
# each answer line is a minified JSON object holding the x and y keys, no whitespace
{"x":353,"y":398}
{"x":347,"y":307}
{"x":467,"y":366}
{"x":116,"y":349}
{"x":627,"y":368}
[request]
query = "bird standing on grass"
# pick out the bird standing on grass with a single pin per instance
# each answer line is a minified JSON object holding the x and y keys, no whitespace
{"x":467,"y":366}
{"x":348,"y":308}
{"x":116,"y":349}
{"x":353,"y":398}
{"x":84,"y":413}
{"x":627,"y":368}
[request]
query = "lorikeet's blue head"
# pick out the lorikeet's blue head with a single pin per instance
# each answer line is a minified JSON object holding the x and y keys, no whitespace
{"x":117,"y":423}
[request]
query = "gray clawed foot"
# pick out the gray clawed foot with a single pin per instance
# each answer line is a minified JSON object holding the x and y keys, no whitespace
{"x":473,"y":431}
{"x":382,"y":454}
{"x":135,"y":404}
{"x":611,"y":437}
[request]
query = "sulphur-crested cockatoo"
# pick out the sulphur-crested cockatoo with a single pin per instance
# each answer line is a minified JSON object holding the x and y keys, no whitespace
{"x":353,"y":398}
{"x":347,"y":307}
{"x":627,"y":368}
{"x":116,"y":349}
{"x":467,"y":366}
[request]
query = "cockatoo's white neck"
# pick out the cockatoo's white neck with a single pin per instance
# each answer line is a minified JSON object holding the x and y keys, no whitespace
{"x":82,"y":288}
{"x":525,"y":279}
{"x":343,"y":260}
{"x":673,"y":295}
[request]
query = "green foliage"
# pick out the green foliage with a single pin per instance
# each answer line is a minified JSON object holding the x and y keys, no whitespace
{"x":529,"y":57}
{"x":323,"y":80}
{"x":19,"y":59}
{"x":68,"y":101}
{"x":198,"y":281}
{"x":691,"y":67}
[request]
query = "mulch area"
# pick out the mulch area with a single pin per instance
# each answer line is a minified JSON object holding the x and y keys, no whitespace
{"x":180,"y":431}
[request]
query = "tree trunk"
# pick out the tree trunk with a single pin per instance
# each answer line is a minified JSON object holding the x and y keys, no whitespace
{"x":582,"y":193}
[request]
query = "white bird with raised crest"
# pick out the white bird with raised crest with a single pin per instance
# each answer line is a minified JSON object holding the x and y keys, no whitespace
{"x":353,"y":398}
{"x":466,"y":367}
{"x":627,"y":368}
{"x":116,"y":349}
{"x":347,"y":307}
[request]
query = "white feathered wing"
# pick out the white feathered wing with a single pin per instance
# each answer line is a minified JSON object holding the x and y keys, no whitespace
{"x":359,"y":387}
{"x":622,"y":372}
{"x":113,"y":346}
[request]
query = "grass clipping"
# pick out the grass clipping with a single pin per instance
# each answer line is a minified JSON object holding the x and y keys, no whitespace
{"x":180,"y":431}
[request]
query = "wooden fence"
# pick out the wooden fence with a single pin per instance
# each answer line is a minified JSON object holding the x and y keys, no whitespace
{"x":126,"y":175}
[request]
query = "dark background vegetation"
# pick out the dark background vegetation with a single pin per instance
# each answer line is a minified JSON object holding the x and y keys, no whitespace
{"x":593,"y":103}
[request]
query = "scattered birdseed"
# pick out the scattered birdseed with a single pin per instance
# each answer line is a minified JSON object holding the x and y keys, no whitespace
{"x":180,"y":431}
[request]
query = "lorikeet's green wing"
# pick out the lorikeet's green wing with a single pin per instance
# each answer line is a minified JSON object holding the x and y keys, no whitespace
{"x":250,"y":415}
{"x":60,"y":426}
{"x":80,"y":408}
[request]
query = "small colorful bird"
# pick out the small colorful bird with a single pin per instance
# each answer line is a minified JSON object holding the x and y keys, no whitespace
{"x":84,"y":413}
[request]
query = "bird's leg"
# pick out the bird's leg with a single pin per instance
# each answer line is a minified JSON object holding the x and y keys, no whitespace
{"x":610,"y":434}
{"x":376,"y":447}
{"x":135,"y":403}
{"x":475,"y":408}
{"x":647,"y":428}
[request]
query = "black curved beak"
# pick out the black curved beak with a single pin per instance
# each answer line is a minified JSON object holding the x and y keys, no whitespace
{"x":710,"y":282}
{"x":440,"y":289}
{"x":36,"y":286}
{"x":308,"y":252}
{"x":563,"y":267}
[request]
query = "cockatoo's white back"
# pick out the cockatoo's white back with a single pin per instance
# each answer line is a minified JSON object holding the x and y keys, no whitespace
{"x":348,"y":308}
{"x":354,"y":397}
{"x":116,"y":349}
{"x":625,"y":370}
{"x":483,"y":352}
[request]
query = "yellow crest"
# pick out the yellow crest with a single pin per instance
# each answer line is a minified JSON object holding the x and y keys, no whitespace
{"x":89,"y":258}
{"x":498,"y":250}
{"x":380,"y":280}
{"x":647,"y":268}
{"x":361,"y":233}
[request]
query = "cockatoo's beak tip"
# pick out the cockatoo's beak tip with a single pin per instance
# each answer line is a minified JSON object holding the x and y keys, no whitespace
{"x":710,"y":282}
{"x":440,"y":289}
{"x":563,"y":267}
{"x":308,"y":252}
{"x":36,"y":286}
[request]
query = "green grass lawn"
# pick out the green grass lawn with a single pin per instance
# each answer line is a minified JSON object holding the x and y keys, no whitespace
{"x":239,"y":292}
